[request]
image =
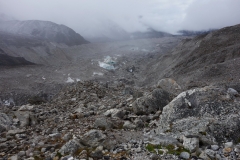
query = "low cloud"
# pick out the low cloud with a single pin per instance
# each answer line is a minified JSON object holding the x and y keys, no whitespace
{"x":93,"y":16}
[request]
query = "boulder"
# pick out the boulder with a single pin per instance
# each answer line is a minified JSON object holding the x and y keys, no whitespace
{"x":191,"y":143}
{"x":5,"y":122}
{"x":206,"y":112}
{"x":129,"y":125}
{"x":152,"y":102}
{"x":93,"y":138}
{"x":185,"y":155}
{"x":71,"y":147}
{"x":115,"y":113}
{"x":169,"y":85}
{"x":23,"y":117}
{"x":103,"y":123}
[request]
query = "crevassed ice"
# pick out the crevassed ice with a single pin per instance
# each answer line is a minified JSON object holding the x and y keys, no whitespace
{"x":106,"y":66}
{"x":108,"y":63}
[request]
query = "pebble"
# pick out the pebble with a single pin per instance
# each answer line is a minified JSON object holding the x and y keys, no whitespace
{"x":228,"y":145}
{"x":214,"y":147}
{"x":185,"y":155}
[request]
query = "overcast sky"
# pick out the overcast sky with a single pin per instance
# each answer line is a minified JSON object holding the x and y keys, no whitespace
{"x":131,"y":15}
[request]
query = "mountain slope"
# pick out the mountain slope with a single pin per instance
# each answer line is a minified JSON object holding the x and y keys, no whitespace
{"x":206,"y":59}
{"x":6,"y":60}
{"x":43,"y":30}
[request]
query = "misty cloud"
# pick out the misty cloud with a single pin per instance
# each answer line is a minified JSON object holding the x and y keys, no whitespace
{"x":92,"y":17}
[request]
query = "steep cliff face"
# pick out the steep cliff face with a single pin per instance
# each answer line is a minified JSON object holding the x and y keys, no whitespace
{"x":44,"y":30}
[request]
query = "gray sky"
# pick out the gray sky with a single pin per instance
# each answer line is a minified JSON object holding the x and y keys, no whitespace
{"x":132,"y":15}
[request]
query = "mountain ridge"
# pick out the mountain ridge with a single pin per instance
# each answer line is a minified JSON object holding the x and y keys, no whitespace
{"x":46,"y":30}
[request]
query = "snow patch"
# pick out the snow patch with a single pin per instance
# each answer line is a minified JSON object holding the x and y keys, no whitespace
{"x":70,"y":80}
{"x":97,"y":73}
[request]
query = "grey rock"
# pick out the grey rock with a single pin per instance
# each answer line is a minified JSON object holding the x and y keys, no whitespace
{"x":93,"y":138}
{"x":228,"y":145}
{"x":192,"y":144}
{"x":21,"y":153}
{"x":214,"y":147}
{"x":110,"y":143}
{"x":232,"y":92}
{"x":199,"y":112}
{"x":97,"y":154}
{"x":185,"y":155}
{"x":23,"y":117}
{"x":26,"y":118}
{"x":55,"y":136}
{"x":115,"y":113}
{"x":163,"y":140}
{"x":15,"y":157}
{"x":43,"y":150}
{"x":71,"y":147}
{"x":210,"y":153}
{"x":14,"y":132}
{"x":103,"y":123}
{"x":152,"y":102}
{"x":204,"y":156}
{"x":67,"y":137}
{"x":128,"y":125}
{"x":237,"y":148}
{"x":155,"y":157}
{"x":5,"y":122}
{"x":169,"y":85}
{"x":139,"y":123}
{"x":26,"y":108}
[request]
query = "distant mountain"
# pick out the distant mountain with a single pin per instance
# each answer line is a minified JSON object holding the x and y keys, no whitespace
{"x":194,"y":33}
{"x":151,"y":33}
{"x":44,"y":30}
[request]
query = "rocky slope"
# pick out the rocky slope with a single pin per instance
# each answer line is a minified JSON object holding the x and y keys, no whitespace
{"x":207,"y":59}
{"x":45,"y":30}
{"x":89,"y":120}
{"x":188,"y":107}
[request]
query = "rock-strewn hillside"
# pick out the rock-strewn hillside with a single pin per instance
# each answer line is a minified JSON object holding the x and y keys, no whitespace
{"x":45,"y":30}
{"x":206,"y":59}
{"x":89,"y":120}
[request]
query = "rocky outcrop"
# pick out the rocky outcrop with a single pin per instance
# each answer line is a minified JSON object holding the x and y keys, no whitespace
{"x":152,"y":102}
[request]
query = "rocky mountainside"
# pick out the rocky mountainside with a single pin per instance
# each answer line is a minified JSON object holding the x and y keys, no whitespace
{"x":44,"y":30}
{"x":206,"y":59}
{"x":6,"y":60}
